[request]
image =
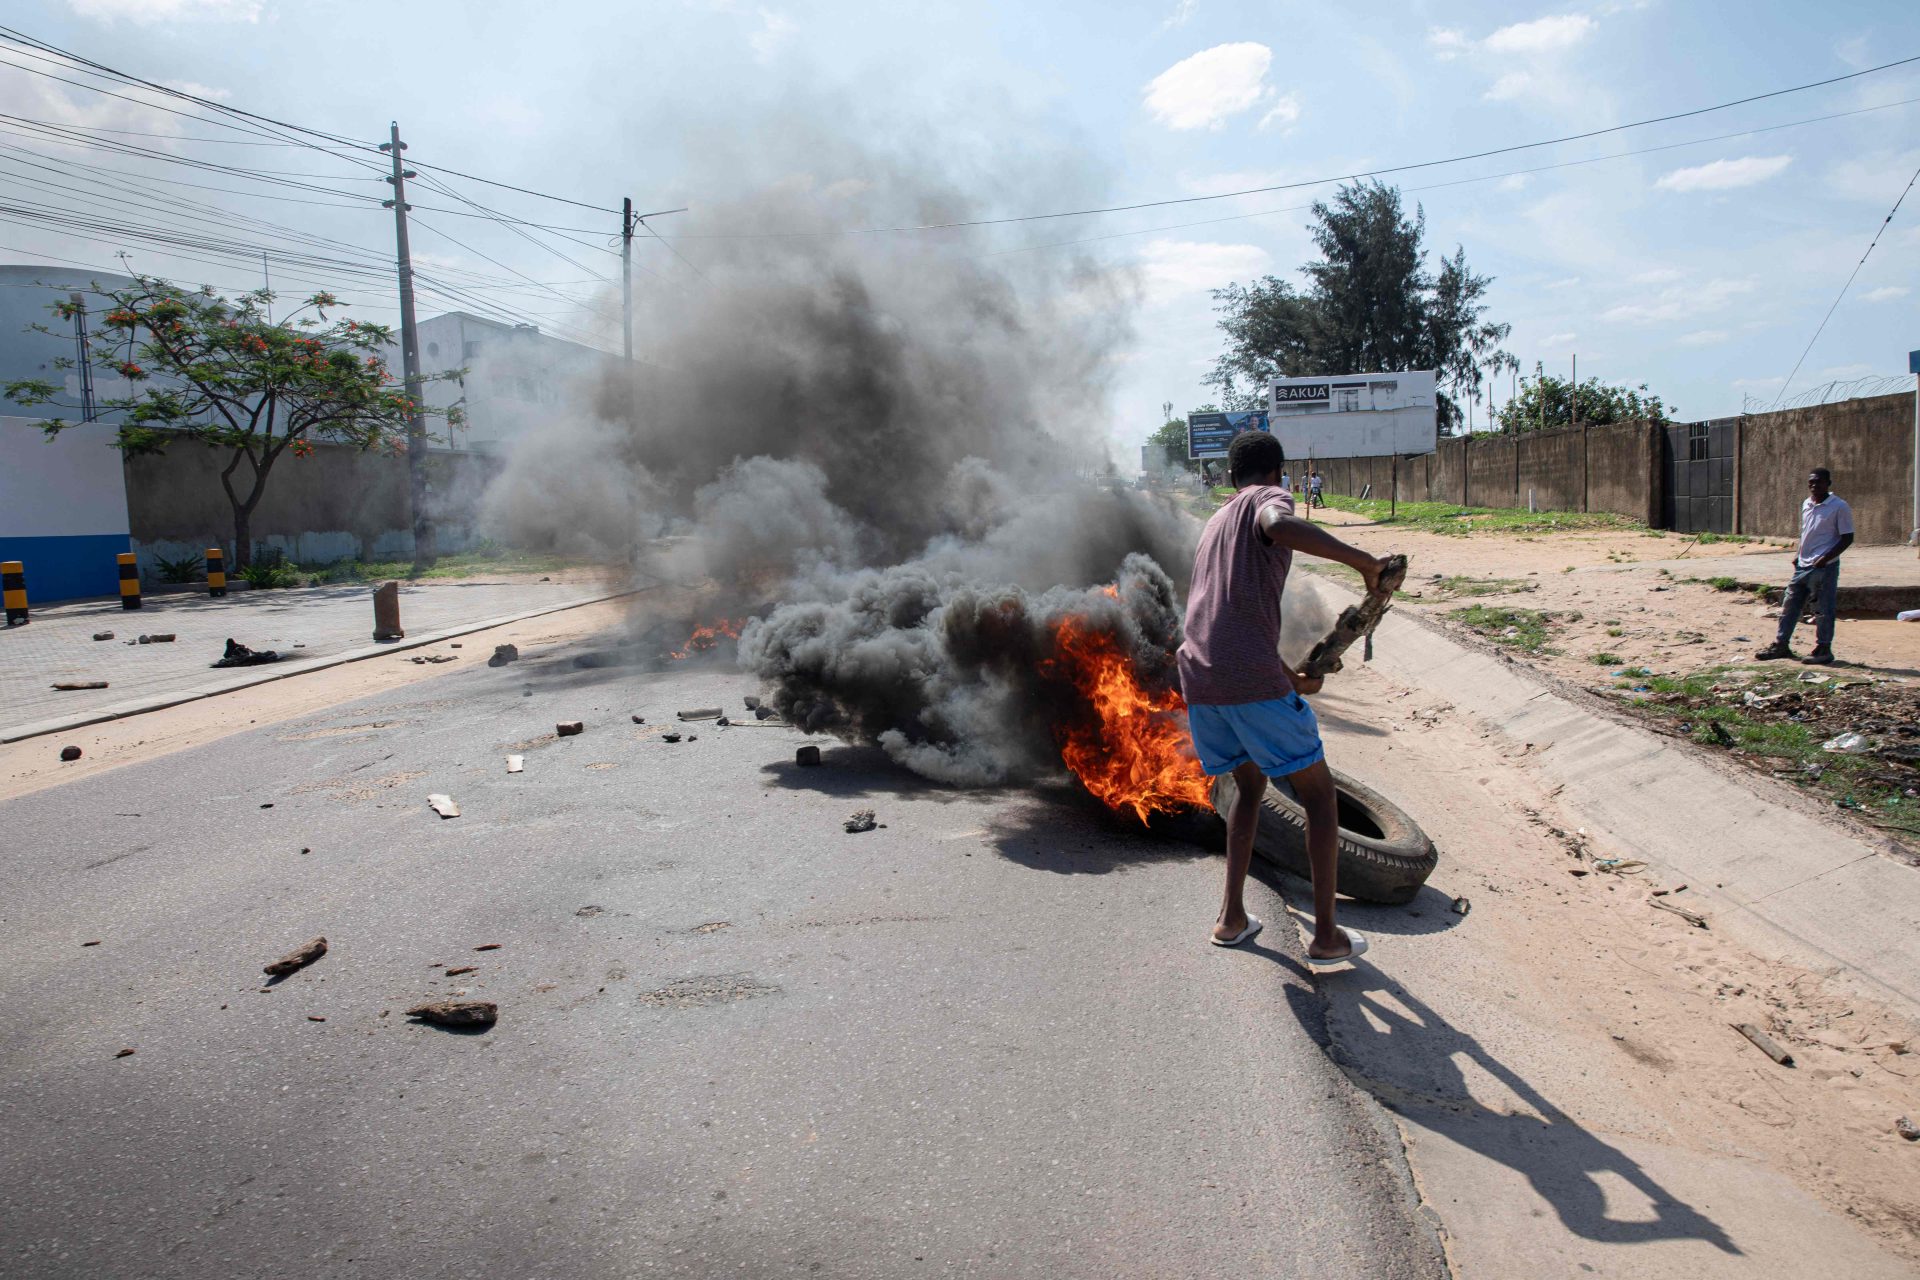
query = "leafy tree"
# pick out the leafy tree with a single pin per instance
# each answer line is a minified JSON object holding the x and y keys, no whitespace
{"x":203,"y":368}
{"x":1172,"y":437}
{"x":1371,"y":304}
{"x":1552,"y":399}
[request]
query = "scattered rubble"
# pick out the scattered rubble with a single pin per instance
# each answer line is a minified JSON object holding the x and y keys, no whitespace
{"x":807,"y":756}
{"x":298,"y":958}
{"x":568,"y":728}
{"x":238,"y":655}
{"x":460,"y":969}
{"x":639,"y":719}
{"x":765,"y":713}
{"x":862,"y":820}
{"x":94,"y":943}
{"x":124,"y":1053}
{"x":433,"y":657}
{"x":315,"y":1017}
{"x":669,"y":737}
{"x":158,"y":637}
{"x":1693,"y":918}
{"x":443,"y":805}
{"x":1847,"y":744}
{"x":69,"y":753}
{"x":1764,"y":1043}
{"x":1461,"y":906}
{"x":1907,"y":1129}
{"x":489,"y":946}
{"x":516,"y":763}
{"x":68,"y":685}
{"x":503,"y":654}
{"x":457,"y":1013}
{"x":103,"y":635}
{"x":590,"y":911}
{"x":752,"y":703}
{"x":701,"y":713}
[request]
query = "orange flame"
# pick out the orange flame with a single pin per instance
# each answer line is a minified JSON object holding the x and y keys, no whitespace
{"x":707,"y":636}
{"x":1134,"y":751}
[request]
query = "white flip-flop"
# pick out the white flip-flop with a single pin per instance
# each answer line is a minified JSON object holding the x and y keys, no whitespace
{"x":1254,"y":925}
{"x":1358,"y":941}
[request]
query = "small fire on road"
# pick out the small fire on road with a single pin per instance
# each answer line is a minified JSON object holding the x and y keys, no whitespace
{"x":707,"y":636}
{"x":1132,"y":750}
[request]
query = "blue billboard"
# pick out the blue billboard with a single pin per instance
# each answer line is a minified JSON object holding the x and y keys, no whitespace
{"x":1209,"y":434}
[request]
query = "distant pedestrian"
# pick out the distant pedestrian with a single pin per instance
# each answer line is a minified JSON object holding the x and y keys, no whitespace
{"x":1313,"y":491}
{"x":1286,"y":482}
{"x":1244,"y":706}
{"x":1826,"y":531}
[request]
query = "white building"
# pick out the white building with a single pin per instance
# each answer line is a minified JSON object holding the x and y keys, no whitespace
{"x":518,"y":379}
{"x":1356,"y":415}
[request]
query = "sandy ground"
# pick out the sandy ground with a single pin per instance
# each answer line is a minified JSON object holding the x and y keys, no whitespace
{"x":29,"y":766}
{"x":1573,"y":1007}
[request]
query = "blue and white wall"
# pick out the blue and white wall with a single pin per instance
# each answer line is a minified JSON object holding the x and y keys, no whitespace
{"x":63,"y":508}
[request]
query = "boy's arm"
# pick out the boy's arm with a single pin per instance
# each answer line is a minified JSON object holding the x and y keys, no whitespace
{"x":1307,"y":538}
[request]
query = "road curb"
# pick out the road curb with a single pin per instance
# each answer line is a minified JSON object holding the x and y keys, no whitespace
{"x":284,"y":671}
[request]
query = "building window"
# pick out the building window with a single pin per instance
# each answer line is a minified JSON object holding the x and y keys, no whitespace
{"x":1346,"y":399}
{"x":1697,"y":442}
{"x":468,"y":350}
{"x":433,"y":348}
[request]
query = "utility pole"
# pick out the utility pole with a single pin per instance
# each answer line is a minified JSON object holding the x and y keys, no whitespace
{"x":1573,"y":394}
{"x":425,"y":548}
{"x":81,"y":340}
{"x":626,"y":277}
{"x":1540,"y":384}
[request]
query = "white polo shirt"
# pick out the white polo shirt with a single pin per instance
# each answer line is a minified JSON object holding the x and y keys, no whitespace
{"x":1821,"y":524}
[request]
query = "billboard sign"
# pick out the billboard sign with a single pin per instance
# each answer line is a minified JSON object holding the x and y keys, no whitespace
{"x":1210,"y":434}
{"x":1355,"y":415}
{"x":1302,"y":392}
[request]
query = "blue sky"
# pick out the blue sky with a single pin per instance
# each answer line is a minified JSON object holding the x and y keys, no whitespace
{"x":1701,"y":269}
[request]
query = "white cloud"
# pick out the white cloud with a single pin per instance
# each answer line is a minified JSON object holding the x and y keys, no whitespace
{"x":1885,"y":293}
{"x":148,"y":12}
{"x":772,"y":35}
{"x":1558,"y":339}
{"x":1542,"y":35}
{"x":199,"y":90}
{"x":1514,"y":84}
{"x":1757,"y":384}
{"x":1725,"y":175}
{"x":1843,"y":371}
{"x":1654,"y":275}
{"x":1512,"y":182}
{"x":1175,"y":267}
{"x":1207,"y":89}
{"x":1566,"y":282}
{"x":1678,"y":302}
{"x":1283,"y":113}
{"x":1703,"y":338}
{"x":1181,"y":13}
{"x":1448,"y":43}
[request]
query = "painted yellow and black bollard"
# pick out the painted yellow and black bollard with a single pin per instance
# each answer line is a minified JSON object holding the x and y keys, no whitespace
{"x":216,"y":572}
{"x":13,"y":586}
{"x":129,"y":581}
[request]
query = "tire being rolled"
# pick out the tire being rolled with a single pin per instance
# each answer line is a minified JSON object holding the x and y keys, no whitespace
{"x":1384,"y":855}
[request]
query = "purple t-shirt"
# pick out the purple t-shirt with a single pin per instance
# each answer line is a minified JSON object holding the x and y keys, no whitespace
{"x":1232,"y":650}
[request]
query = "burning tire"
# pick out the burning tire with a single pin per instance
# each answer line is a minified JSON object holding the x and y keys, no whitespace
{"x":1384,"y":856}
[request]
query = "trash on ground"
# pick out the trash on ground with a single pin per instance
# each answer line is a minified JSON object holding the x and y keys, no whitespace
{"x":590,"y":911}
{"x":158,"y":637}
{"x":298,"y":958}
{"x":1619,"y":866}
{"x":568,"y":728}
{"x":752,"y":703}
{"x":1461,"y":906}
{"x":489,"y":946}
{"x":639,"y":719}
{"x":808,"y":755}
{"x":503,"y":654}
{"x":669,"y":737}
{"x":701,"y":713}
{"x":79,"y":684}
{"x":1907,"y":615}
{"x":1847,"y":744}
{"x":457,"y":1013}
{"x":1764,"y":1043}
{"x":516,"y":763}
{"x":435,"y":657}
{"x":103,"y":635}
{"x":94,"y":943}
{"x":1693,"y":918}
{"x":69,"y":753}
{"x":862,"y":820}
{"x":765,"y":713}
{"x":443,"y":805}
{"x":316,"y":1017}
{"x":238,"y":655}
{"x":457,"y":970}
{"x":1814,"y":677}
{"x":1903,"y":1126}
{"x":124,"y":1053}
{"x":723,"y":722}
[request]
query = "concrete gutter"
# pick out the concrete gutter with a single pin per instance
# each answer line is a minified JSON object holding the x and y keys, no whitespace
{"x":248,"y":677}
{"x":1783,"y":882}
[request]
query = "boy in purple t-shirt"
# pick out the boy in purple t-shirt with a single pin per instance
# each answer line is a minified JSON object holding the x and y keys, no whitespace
{"x":1244,"y":707}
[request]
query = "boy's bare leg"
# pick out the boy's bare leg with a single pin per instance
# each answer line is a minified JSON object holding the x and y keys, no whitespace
{"x":1243,"y":815}
{"x":1313,"y":787}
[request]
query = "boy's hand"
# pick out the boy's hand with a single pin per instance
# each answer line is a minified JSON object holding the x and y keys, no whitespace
{"x":1305,"y":685}
{"x":1370,"y":573}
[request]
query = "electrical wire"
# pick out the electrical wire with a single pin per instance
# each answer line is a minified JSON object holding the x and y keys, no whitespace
{"x":1851,"y":276}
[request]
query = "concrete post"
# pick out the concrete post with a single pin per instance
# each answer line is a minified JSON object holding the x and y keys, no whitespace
{"x":386,"y":613}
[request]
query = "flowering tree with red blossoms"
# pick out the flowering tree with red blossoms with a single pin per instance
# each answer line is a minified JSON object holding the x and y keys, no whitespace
{"x":219,"y":372}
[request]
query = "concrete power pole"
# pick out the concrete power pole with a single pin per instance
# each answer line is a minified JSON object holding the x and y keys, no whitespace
{"x":626,"y":278}
{"x":425,"y":546}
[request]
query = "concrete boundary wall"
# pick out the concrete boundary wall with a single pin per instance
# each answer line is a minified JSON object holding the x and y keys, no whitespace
{"x":1624,"y":467}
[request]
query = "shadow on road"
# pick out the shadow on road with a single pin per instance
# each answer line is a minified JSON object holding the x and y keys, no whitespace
{"x":1411,"y":1060}
{"x":1067,"y":832}
{"x":856,"y":772}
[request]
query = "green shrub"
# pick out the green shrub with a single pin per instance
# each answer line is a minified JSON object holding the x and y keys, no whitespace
{"x":1605,"y":659}
{"x":267,"y":577}
{"x":185,"y":569}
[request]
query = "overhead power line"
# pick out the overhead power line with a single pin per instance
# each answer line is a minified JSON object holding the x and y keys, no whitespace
{"x":959,"y":224}
{"x":1851,"y":276}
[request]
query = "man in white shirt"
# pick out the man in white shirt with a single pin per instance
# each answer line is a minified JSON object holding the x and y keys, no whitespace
{"x":1826,"y":531}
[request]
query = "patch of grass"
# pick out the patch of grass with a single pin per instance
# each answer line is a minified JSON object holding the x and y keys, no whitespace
{"x":1451,"y":518}
{"x":1708,"y":539}
{"x":1604,"y":659}
{"x":1614,"y":633}
{"x":1724,"y":583}
{"x":1522,"y":628}
{"x":1654,"y":533}
{"x":277,"y":576}
{"x":486,"y":558}
{"x":1463,"y":586}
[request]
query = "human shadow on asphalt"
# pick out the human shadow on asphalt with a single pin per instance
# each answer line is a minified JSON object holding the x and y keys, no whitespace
{"x":1563,"y":1162}
{"x":1430,"y":911}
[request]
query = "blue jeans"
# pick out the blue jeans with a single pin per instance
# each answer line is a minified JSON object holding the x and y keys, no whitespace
{"x":1822,"y":586}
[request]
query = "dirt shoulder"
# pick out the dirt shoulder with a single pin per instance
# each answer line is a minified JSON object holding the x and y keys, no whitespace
{"x":1666,"y":628}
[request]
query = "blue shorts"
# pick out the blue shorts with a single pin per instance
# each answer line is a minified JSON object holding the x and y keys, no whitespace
{"x":1281,"y":736}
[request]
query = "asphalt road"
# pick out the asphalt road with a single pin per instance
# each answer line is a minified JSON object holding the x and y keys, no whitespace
{"x":988,"y":1039}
